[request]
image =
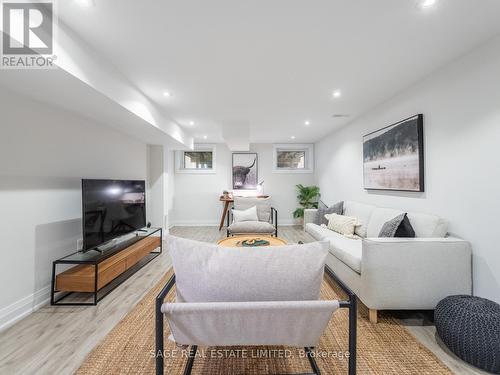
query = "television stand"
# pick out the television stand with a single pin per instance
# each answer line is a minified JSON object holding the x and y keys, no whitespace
{"x":99,"y":272}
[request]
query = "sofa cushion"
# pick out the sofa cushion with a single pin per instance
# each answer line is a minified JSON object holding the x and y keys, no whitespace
{"x":361,"y":211}
{"x":379,"y":217}
{"x":428,"y":226}
{"x":347,"y":250}
{"x":319,"y":233}
{"x":209,"y":273}
{"x":251,"y":227}
{"x":337,"y":208}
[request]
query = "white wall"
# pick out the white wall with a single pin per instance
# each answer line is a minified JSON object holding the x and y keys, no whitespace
{"x":197,"y":195}
{"x":461,"y":107}
{"x":44,"y":152}
{"x":169,"y":187}
{"x":156,"y":186}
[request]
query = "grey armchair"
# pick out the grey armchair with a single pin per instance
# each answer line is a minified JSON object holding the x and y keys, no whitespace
{"x":268,"y":217}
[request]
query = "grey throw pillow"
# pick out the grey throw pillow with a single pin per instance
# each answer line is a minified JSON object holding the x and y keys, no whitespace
{"x":405,"y":229}
{"x":337,"y":208}
{"x":390,"y":228}
{"x":398,"y":227}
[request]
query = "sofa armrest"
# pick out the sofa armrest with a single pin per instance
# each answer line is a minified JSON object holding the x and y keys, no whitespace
{"x":309,"y":215}
{"x":406,"y":273}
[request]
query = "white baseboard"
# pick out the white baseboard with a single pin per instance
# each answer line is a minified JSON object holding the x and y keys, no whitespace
{"x":187,"y":223}
{"x":18,"y":310}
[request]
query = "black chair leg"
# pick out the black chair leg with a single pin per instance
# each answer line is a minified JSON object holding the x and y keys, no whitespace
{"x":312,"y":361}
{"x":190,"y":362}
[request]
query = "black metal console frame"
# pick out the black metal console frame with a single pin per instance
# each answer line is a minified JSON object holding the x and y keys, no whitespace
{"x":95,"y":262}
{"x":351,"y":304}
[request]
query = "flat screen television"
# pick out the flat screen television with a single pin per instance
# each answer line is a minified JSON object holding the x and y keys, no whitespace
{"x":111,"y":208}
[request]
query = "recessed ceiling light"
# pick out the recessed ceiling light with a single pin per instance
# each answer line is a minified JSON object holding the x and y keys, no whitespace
{"x":167,"y":94}
{"x":292,"y":137}
{"x":337,"y":94}
{"x":85,"y":3}
{"x":191,"y":123}
{"x":424,"y":4}
{"x":205,"y":137}
{"x":307,"y":123}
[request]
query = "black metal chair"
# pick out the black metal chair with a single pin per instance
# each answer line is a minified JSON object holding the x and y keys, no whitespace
{"x":268,"y":218}
{"x":350,"y":304}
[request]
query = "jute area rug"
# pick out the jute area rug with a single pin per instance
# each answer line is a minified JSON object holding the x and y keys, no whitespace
{"x":384,"y":348}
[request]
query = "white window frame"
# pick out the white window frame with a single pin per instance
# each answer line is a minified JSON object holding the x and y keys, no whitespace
{"x":308,"y":148}
{"x":179,"y":160}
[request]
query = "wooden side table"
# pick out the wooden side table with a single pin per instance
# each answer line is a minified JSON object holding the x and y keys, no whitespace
{"x":236,"y":241}
{"x":226,"y":201}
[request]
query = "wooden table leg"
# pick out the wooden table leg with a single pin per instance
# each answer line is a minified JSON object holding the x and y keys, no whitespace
{"x":224,"y":213}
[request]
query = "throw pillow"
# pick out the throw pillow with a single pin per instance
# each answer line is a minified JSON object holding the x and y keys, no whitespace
{"x":344,"y":225}
{"x":205,"y":272}
{"x":398,"y":227}
{"x":390,"y":227}
{"x":249,"y":214}
{"x":263,"y":206}
{"x":337,"y":208}
{"x":405,"y":229}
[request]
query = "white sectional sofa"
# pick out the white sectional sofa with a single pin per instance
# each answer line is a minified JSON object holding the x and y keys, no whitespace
{"x":396,"y":273}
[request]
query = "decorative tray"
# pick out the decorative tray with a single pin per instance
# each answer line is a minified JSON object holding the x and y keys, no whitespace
{"x":254,"y":242}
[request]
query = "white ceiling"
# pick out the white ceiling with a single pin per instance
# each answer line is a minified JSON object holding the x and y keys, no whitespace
{"x":60,"y":89}
{"x":273,"y":64}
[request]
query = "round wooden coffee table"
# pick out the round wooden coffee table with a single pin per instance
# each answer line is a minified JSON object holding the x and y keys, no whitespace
{"x":236,"y":241}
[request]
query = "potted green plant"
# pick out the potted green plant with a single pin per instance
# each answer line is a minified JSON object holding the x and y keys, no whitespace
{"x":308,"y":197}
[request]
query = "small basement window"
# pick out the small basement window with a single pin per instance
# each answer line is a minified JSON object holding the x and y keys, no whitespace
{"x":293,"y":158}
{"x":199,"y":160}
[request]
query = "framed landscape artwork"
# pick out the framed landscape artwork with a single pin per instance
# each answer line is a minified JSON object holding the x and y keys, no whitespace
{"x":245,"y":174}
{"x":393,"y":157}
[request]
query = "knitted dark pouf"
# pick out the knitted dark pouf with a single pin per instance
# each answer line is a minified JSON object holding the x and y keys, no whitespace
{"x":470,"y":327}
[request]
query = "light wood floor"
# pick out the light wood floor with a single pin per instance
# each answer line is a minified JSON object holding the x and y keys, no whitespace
{"x":55,"y":340}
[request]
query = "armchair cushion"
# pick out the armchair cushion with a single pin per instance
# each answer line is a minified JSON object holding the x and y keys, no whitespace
{"x":251,"y":227}
{"x":206,"y":272}
{"x":263,"y":206}
{"x":250,"y":214}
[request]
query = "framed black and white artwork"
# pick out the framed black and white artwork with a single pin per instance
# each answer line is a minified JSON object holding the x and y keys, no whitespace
{"x":393,"y":157}
{"x":245,"y":171}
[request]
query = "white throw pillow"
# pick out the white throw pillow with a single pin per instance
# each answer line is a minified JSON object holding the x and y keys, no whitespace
{"x":345,"y":225}
{"x":245,"y":215}
{"x":361,"y":211}
{"x":206,"y":272}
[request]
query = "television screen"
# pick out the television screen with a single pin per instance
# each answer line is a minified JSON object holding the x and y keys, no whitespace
{"x":111,"y":208}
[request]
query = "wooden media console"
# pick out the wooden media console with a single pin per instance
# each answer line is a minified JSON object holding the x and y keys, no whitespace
{"x":95,"y":271}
